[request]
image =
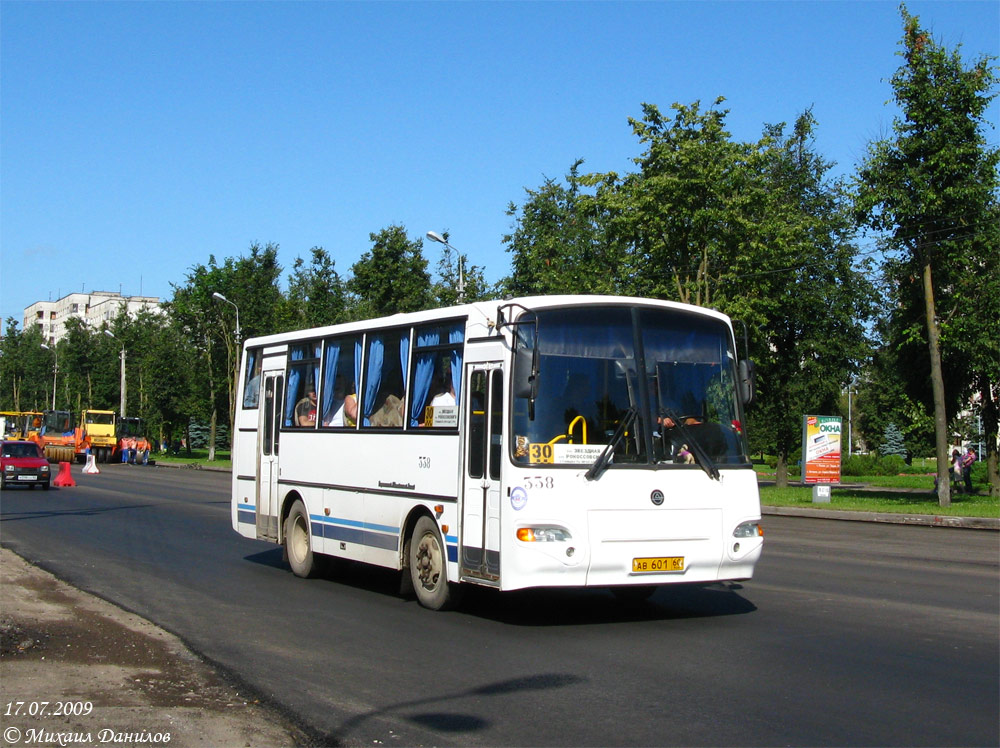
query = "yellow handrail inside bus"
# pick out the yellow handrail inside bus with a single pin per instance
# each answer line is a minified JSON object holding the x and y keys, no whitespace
{"x":569,"y":432}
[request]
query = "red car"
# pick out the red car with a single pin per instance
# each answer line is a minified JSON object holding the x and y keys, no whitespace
{"x":24,"y":464}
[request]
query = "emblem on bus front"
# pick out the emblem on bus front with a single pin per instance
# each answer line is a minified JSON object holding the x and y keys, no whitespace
{"x":656,"y":497}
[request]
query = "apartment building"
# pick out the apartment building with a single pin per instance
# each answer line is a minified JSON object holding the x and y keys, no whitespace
{"x":94,"y":308}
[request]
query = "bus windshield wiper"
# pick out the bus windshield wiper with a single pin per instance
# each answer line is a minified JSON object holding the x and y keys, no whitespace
{"x":701,"y":456}
{"x":601,"y":463}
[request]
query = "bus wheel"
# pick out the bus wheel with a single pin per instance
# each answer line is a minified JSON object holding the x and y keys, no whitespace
{"x":298,"y":543}
{"x":427,"y":565}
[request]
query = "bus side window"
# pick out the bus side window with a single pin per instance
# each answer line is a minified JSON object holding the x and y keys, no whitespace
{"x":301,"y":407}
{"x":251,"y":389}
{"x":384,"y":389}
{"x":340,"y":390}
{"x":435,"y":374}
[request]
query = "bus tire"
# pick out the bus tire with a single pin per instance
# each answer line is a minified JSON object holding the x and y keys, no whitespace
{"x":428,"y":565}
{"x":298,"y":541}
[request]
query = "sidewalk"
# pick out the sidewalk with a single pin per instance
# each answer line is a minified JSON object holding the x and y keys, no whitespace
{"x":76,"y":670}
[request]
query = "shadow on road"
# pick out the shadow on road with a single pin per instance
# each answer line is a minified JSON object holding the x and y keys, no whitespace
{"x":544,"y":606}
{"x":454,"y":722}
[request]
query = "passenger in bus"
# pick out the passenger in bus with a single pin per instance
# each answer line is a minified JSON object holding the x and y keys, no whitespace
{"x":345,"y":408}
{"x":444,"y":389}
{"x":305,"y":409}
{"x":390,"y":415}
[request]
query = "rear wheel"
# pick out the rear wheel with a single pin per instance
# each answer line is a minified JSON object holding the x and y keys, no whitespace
{"x":298,"y":541}
{"x":427,"y":565}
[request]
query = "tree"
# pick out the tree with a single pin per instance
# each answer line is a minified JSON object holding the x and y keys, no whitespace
{"x":25,"y":369}
{"x":558,"y":243}
{"x":391,"y":277}
{"x":931,"y":189}
{"x":797,"y":283}
{"x":892,"y":441}
{"x":679,"y":219}
{"x":316,"y":294}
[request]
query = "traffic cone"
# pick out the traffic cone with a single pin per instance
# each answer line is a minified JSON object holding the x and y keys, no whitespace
{"x":91,"y":466}
{"x":65,"y":478}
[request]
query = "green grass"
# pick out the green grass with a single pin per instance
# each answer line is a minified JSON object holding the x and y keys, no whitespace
{"x":198,"y":457}
{"x":911,"y":493}
{"x":889,"y":501}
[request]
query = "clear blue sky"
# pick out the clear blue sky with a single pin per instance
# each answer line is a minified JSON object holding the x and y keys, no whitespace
{"x":139,"y":138}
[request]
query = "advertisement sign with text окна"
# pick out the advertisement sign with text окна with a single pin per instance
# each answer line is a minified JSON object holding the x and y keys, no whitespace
{"x":821,"y":449}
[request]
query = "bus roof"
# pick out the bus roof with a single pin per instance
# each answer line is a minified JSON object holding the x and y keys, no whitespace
{"x":483,"y":312}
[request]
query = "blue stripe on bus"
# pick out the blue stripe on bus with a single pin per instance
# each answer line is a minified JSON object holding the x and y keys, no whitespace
{"x":351,"y":531}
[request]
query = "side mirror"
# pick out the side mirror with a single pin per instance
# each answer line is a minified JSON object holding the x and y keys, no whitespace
{"x":748,"y":381}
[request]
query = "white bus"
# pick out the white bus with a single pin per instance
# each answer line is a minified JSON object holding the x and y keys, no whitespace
{"x":557,"y":441}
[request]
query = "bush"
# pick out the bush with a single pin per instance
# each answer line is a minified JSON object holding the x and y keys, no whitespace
{"x":872,"y":464}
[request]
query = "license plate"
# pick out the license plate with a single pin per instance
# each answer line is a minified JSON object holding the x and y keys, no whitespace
{"x":27,"y":477}
{"x":661,"y":563}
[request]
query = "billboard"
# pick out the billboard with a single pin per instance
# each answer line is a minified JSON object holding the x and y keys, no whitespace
{"x":821,"y":449}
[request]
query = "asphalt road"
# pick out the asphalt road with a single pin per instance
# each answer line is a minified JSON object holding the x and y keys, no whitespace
{"x":851,"y":634}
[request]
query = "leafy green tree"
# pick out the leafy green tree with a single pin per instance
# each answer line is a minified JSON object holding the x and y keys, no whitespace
{"x":559,"y":244}
{"x":196,"y":314}
{"x":931,"y":189}
{"x":25,"y":369}
{"x":316,"y":294}
{"x":391,"y":277}
{"x":797,"y":282}
{"x":680,"y":218}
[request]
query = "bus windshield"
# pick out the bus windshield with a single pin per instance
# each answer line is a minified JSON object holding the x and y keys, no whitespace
{"x":666,"y":376}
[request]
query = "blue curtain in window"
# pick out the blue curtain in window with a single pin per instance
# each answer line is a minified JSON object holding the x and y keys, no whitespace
{"x":329,"y":380}
{"x":404,"y":349}
{"x":355,"y":388}
{"x":294,"y":375}
{"x":376,"y":355}
{"x":423,"y":374}
{"x":456,"y":335}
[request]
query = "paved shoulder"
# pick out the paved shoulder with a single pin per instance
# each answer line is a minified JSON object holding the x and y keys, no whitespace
{"x":73,"y":666}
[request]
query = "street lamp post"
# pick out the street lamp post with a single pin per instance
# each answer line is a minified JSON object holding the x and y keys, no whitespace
{"x":122,"y":356}
{"x":55,"y":371}
{"x":436,"y":237}
{"x":219,"y":297}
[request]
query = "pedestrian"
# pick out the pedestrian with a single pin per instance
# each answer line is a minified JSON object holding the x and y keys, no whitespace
{"x":956,"y":469}
{"x":968,"y":460}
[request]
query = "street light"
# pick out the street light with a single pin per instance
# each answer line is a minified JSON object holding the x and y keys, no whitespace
{"x":220,"y":297}
{"x":436,"y":237}
{"x":122,"y":405}
{"x":55,"y":371}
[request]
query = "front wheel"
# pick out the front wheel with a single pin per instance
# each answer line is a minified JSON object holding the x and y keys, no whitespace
{"x":298,"y":542}
{"x":427,"y":565}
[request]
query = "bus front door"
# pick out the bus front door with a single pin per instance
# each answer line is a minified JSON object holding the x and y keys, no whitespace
{"x":267,"y":457}
{"x":480,"y":552}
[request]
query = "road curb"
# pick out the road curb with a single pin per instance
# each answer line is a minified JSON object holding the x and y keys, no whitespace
{"x":929,"y":520}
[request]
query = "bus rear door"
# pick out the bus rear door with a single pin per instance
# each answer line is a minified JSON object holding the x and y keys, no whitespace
{"x":267,"y":457}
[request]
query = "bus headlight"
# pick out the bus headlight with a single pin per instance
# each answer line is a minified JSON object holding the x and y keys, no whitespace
{"x":547,"y":534}
{"x":749,"y":530}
